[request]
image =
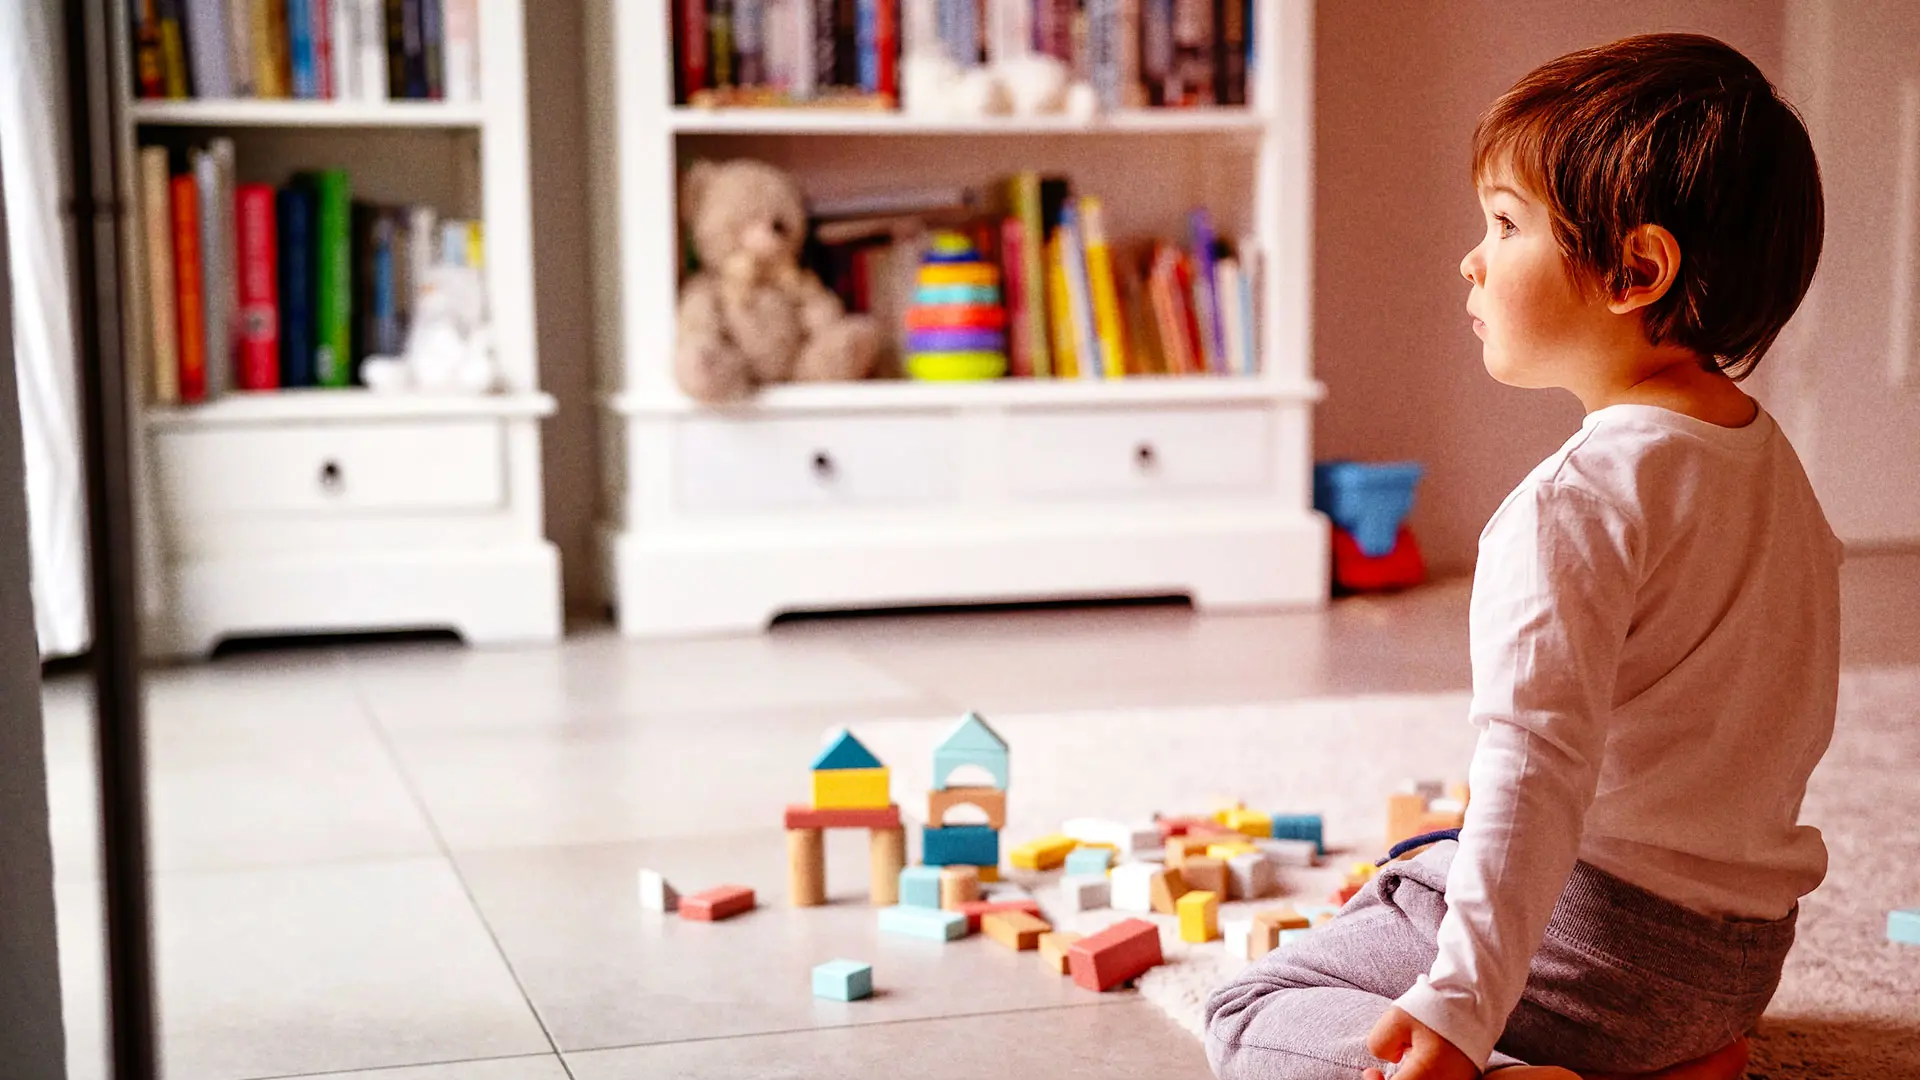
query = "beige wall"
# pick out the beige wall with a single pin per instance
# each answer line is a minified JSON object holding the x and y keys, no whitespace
{"x":1400,"y":85}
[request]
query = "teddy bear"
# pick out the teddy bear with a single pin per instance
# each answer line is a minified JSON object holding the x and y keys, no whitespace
{"x":751,"y":315}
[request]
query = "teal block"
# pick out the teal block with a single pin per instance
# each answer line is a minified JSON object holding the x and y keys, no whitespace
{"x":1300,"y":827}
{"x":971,"y":742}
{"x":1088,"y":861}
{"x":956,"y":294}
{"x":920,"y":886}
{"x":1903,"y":926}
{"x":843,"y":980}
{"x":843,"y":751}
{"x":960,"y":845}
{"x":929,"y":923}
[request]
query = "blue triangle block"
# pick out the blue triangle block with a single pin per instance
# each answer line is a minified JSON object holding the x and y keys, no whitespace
{"x":972,"y":733}
{"x":843,"y":751}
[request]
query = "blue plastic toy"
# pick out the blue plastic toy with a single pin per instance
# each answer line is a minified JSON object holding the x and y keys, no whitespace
{"x":1368,"y":500}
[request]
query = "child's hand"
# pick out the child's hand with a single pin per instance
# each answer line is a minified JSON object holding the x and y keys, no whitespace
{"x":1421,"y":1052}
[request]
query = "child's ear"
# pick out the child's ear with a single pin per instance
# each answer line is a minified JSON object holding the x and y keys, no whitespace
{"x":1650,"y":261}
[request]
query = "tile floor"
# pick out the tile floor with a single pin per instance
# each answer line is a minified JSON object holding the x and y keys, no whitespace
{"x":413,"y":861}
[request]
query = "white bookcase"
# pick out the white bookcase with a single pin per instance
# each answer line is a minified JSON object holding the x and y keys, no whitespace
{"x":887,"y":493}
{"x":310,"y":511}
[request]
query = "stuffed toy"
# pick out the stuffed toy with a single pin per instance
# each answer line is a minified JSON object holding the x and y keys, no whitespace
{"x":750,"y":315}
{"x":449,"y":345}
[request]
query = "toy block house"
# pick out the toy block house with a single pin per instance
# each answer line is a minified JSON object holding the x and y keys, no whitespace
{"x":850,"y":791}
{"x":846,"y":776}
{"x":970,"y":743}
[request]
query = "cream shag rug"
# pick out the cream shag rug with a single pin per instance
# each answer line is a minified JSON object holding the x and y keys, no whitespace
{"x":1849,"y":1005}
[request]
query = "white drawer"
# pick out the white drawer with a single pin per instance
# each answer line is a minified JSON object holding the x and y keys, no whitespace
{"x":747,"y":465}
{"x":331,"y":468}
{"x":1108,"y":452}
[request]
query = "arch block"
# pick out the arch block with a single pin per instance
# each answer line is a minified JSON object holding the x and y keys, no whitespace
{"x":991,"y":801}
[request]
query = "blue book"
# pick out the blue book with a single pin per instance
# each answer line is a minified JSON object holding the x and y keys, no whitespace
{"x":296,"y":212}
{"x":1103,"y":50}
{"x":1073,"y":263}
{"x":1250,"y":356}
{"x":302,"y":57}
{"x":386,"y":313}
{"x":959,"y":29}
{"x":867,"y":43}
{"x":1206,"y":302}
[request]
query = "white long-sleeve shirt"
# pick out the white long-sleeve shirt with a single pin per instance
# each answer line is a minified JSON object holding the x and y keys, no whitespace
{"x":1655,"y":641}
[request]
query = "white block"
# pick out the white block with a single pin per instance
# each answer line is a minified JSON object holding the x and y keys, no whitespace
{"x":1130,"y":839}
{"x":1079,"y":894}
{"x":1238,"y":934}
{"x":656,"y":894}
{"x":1133,"y":886}
{"x":1446,"y":806}
{"x":1288,"y":852}
{"x":1252,"y":876}
{"x":1002,"y":891}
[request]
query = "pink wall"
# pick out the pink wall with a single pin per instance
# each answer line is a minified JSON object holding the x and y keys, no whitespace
{"x":1400,"y":84}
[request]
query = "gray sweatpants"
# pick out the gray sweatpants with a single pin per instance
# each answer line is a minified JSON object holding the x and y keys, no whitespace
{"x":1624,"y":981}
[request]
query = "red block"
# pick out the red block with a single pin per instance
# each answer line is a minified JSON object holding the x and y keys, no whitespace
{"x":1191,"y":826}
{"x":1123,"y":951}
{"x":1354,"y":571}
{"x":975,"y":908}
{"x":715,"y":904}
{"x":806,"y":817}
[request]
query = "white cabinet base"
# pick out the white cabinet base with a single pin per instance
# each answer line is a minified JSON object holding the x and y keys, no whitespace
{"x":501,"y":595}
{"x":691,"y":580}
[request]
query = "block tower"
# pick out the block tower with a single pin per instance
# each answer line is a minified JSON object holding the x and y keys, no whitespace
{"x":849,"y":792}
{"x":971,"y":742}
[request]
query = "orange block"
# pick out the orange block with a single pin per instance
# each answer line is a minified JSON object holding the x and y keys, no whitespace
{"x":1017,"y":930}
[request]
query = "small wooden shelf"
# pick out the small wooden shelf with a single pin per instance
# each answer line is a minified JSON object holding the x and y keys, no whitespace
{"x":827,"y":121}
{"x":285,"y":113}
{"x":337,"y":406}
{"x":896,"y":394}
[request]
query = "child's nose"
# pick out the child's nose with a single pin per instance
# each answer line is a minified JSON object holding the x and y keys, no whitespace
{"x":1470,"y":266}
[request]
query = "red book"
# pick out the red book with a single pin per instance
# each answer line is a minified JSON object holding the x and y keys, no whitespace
{"x":259,"y":320}
{"x":693,"y":44}
{"x":189,"y":289}
{"x":323,"y":46}
{"x":886,"y":42}
{"x":1013,"y":272}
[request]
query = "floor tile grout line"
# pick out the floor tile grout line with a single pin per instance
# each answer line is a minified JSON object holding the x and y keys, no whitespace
{"x":446,"y":852}
{"x":410,"y":1065}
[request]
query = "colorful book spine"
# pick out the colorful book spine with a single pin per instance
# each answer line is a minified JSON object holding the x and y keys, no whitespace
{"x":433,"y":37}
{"x":213,"y":178}
{"x":867,"y":41}
{"x":1027,"y":207}
{"x":385,"y":326}
{"x":1206,"y":304}
{"x":1226,"y":291}
{"x":959,"y":23}
{"x":396,"y":39}
{"x":295,"y":223}
{"x":144,"y":30}
{"x":846,"y":43}
{"x":1156,"y":49}
{"x":156,"y":206}
{"x":1193,"y":33}
{"x":1103,"y":51}
{"x":173,"y":51}
{"x":413,"y":52}
{"x":1013,"y":239}
{"x":1230,"y":52}
{"x":333,"y":284}
{"x":1163,"y":291}
{"x":343,"y":49}
{"x":1107,"y":321}
{"x":461,"y":20}
{"x":188,"y":301}
{"x":806,"y":42}
{"x":720,"y":43}
{"x":322,"y":32}
{"x":259,"y":367}
{"x":239,"y":16}
{"x":825,"y":44}
{"x":1053,"y":29}
{"x":749,"y":42}
{"x":1133,"y":91}
{"x":300,"y":49}
{"x":887,"y":47}
{"x":1066,"y":364}
{"x":370,"y":49}
{"x":1086,"y":336}
{"x":271,"y":60}
{"x":692,"y":21}
{"x":1250,"y":355}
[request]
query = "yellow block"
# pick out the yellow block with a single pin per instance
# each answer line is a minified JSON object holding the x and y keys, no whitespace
{"x":988,"y":874}
{"x":1247,"y":822}
{"x":960,"y":274}
{"x":1046,"y":853}
{"x":850,"y":789}
{"x":1227,"y":849}
{"x":1199,"y":917}
{"x":1360,"y":873}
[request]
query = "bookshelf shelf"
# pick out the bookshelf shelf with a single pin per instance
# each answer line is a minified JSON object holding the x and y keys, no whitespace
{"x":828,"y":121}
{"x":904,"y":395}
{"x":252,"y":112}
{"x":345,"y":406}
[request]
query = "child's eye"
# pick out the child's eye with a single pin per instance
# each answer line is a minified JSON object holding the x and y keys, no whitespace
{"x":1507,"y":227}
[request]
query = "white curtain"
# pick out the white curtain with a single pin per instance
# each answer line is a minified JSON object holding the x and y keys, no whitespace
{"x":32,"y":173}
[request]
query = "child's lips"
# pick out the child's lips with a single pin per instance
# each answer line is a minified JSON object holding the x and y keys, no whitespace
{"x":1479,"y":329}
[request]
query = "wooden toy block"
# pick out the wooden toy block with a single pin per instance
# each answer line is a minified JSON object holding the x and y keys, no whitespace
{"x":980,"y":909}
{"x":1005,"y":890}
{"x":1434,"y":820}
{"x":988,"y":874}
{"x":713,"y":905}
{"x":920,"y":887}
{"x":931,"y":924}
{"x":1122,"y":952}
{"x":1251,"y":877}
{"x":1198,"y":828}
{"x":1283,"y":917}
{"x":843,"y":980}
{"x":1288,"y":852}
{"x":1079,"y":894}
{"x":1166,"y":887}
{"x":886,"y":857}
{"x":1199,"y":917}
{"x":1246,"y":822}
{"x":1132,"y":886}
{"x":655,"y":893}
{"x":851,"y":789}
{"x":958,"y":885}
{"x":1017,"y":930}
{"x":960,"y":845}
{"x":1126,"y":839}
{"x":1903,"y":926}
{"x":1045,"y":853}
{"x":1301,"y":827}
{"x":971,"y":742}
{"x":1263,"y":938}
{"x":1362,"y":871}
{"x":990,"y":801}
{"x":1404,"y":810}
{"x":1089,"y":860}
{"x":1347,"y":892}
{"x":1236,"y":933}
{"x":842,"y":752}
{"x":1226,"y":850}
{"x":1208,"y":875}
{"x":1181,"y":848}
{"x":806,"y":817}
{"x":1053,"y":949}
{"x":806,"y":867}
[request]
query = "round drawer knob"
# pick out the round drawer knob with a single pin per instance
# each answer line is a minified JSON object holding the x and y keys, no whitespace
{"x":331,"y":479}
{"x":1144,"y":457}
{"x":823,"y":466}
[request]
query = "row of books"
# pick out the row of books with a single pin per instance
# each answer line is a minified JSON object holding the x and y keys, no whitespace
{"x":1134,"y":53}
{"x":1080,"y":303}
{"x":345,"y":50}
{"x":257,"y":287}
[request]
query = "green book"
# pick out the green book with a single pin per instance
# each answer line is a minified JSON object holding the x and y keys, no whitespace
{"x":1033,"y":282}
{"x":333,"y":293}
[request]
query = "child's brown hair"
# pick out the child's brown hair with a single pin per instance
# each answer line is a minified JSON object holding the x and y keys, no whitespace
{"x":1680,"y":131}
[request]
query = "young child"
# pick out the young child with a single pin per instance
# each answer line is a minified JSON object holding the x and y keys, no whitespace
{"x":1654,"y":619}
